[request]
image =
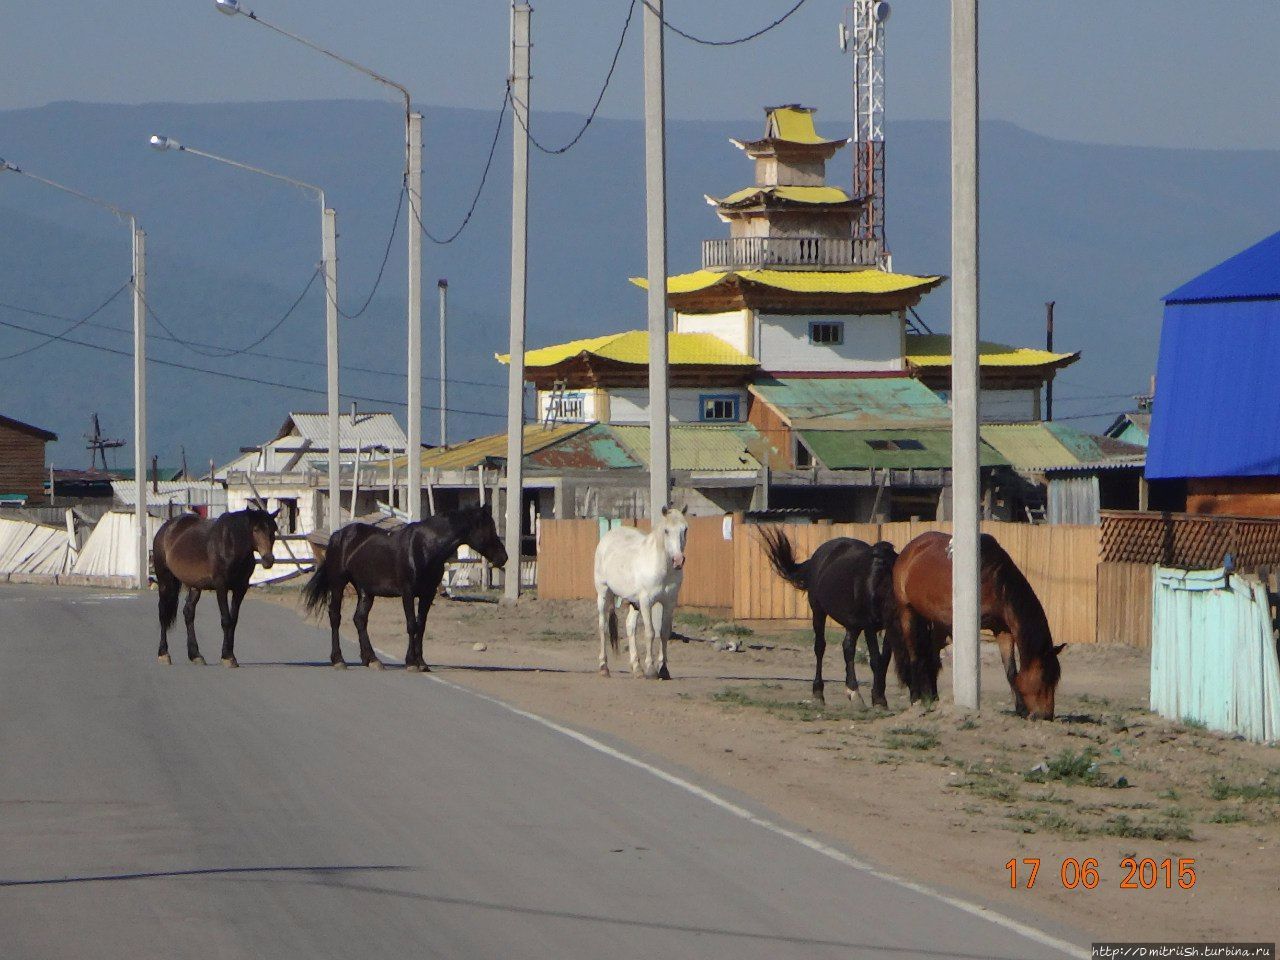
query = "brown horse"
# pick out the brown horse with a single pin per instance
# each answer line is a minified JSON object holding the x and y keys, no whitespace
{"x":209,"y":555}
{"x":1010,"y":610}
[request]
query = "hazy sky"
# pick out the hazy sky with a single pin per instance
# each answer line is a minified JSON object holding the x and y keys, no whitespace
{"x":1149,"y":72}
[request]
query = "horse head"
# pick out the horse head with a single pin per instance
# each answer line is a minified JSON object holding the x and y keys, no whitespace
{"x":674,"y":529}
{"x":1036,"y":682}
{"x":262,"y":527}
{"x":481,"y":535}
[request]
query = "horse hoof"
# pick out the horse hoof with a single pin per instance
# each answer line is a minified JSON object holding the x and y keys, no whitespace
{"x":165,"y":659}
{"x":374,"y":664}
{"x":339,"y":665}
{"x":855,"y":696}
{"x":664,"y":674}
{"x":198,"y":660}
{"x":604,"y":670}
{"x":410,"y":668}
{"x":230,"y":662}
{"x":636,"y":672}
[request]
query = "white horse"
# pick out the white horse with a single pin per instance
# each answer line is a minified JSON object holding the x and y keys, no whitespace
{"x":645,"y":570}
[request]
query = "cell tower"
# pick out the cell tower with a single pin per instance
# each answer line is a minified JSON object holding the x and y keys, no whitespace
{"x":866,"y":37}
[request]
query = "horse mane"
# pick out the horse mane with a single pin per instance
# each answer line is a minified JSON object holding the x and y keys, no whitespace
{"x":1035,"y":639}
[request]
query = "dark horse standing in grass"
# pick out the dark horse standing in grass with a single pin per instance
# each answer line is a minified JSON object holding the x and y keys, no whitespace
{"x":1010,"y":610}
{"x":209,"y":555}
{"x":407,"y":562}
{"x":850,"y":582}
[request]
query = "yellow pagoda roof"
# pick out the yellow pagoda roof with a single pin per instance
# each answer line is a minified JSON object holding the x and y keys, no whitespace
{"x":792,"y":124}
{"x":934,"y":350}
{"x":801,"y":281}
{"x":690,"y":349}
{"x":792,"y":194}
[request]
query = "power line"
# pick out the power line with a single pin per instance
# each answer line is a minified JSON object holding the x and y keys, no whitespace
{"x":224,"y":353}
{"x":50,"y":338}
{"x":238,"y":376}
{"x":724,"y":43}
{"x":168,"y":338}
{"x":386,"y":254}
{"x":484,"y":177}
{"x":599,"y":97}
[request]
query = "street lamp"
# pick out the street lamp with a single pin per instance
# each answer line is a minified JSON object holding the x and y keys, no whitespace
{"x":329,"y":253}
{"x":139,"y":270}
{"x":413,"y":185}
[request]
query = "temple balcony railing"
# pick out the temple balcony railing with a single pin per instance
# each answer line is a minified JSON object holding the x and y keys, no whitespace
{"x":810,"y":253}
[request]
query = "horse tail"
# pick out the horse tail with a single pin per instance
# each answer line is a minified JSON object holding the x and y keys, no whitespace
{"x":315,"y":595}
{"x":170,"y":590}
{"x":613,"y":627}
{"x":782,"y":558}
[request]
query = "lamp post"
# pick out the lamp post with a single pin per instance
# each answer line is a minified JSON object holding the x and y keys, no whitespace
{"x":329,"y":253}
{"x":139,"y":273}
{"x":413,"y":185}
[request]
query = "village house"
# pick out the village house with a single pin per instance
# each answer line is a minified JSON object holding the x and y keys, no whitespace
{"x":22,"y":467}
{"x":1214,"y":440}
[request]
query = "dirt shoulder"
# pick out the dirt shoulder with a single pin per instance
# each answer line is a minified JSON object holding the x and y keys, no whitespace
{"x":934,"y":796}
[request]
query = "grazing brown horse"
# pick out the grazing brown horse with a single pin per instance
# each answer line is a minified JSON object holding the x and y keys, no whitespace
{"x":1010,"y":610}
{"x":852,"y":583}
{"x":407,"y":562}
{"x":209,"y":555}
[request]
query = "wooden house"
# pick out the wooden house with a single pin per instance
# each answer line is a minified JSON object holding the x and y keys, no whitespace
{"x":1214,"y":429}
{"x":22,"y":465}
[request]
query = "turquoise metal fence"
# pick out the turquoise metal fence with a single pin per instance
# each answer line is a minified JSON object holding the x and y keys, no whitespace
{"x":1213,"y":653}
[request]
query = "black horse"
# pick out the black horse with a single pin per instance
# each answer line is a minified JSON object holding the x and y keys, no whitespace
{"x":851,"y":582}
{"x":407,"y":562}
{"x":209,"y":555}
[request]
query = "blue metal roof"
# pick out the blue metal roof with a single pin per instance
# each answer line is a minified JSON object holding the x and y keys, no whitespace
{"x":1218,"y":383}
{"x":1249,"y":275}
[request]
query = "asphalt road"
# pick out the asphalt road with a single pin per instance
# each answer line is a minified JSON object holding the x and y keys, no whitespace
{"x":288,"y":810}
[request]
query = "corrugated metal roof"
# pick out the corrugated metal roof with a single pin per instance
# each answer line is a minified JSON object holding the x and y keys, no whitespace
{"x":844,"y":403}
{"x":701,"y":349}
{"x":854,"y":449}
{"x":801,"y":281}
{"x":366,"y":430}
{"x":816,"y":195}
{"x":493,"y":447}
{"x":934,"y":350}
{"x":595,"y":448}
{"x":696,"y":447}
{"x":1042,"y":446}
{"x":1250,"y":274}
{"x":1219,"y":391}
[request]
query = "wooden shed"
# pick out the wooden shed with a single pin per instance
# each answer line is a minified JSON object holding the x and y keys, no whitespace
{"x":22,"y":470}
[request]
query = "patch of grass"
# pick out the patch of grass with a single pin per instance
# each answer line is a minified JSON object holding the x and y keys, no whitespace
{"x":1229,"y":816}
{"x":698,"y":621}
{"x":1069,"y":767}
{"x":1049,"y":820}
{"x":1266,"y":789}
{"x":911,"y":738}
{"x":805,"y":711}
{"x":968,"y":723}
{"x":984,"y":783}
{"x":1170,"y":794}
{"x":1191,"y":723}
{"x":1122,"y":826}
{"x":732,"y":630}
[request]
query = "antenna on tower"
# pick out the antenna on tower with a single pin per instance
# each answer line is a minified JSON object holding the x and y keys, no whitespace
{"x":98,"y":445}
{"x":864,"y":37}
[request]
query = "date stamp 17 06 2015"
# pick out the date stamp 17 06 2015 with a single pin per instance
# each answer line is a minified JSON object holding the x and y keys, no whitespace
{"x":1145,"y":873}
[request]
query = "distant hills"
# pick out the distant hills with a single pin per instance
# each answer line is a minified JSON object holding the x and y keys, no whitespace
{"x":1103,"y":230}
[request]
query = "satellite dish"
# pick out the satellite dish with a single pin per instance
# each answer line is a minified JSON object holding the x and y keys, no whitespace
{"x":880,"y":11}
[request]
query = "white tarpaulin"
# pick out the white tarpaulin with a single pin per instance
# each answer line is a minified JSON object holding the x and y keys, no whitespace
{"x":110,"y":550}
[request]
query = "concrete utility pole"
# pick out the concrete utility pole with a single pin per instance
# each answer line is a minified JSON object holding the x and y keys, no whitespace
{"x":414,"y":418}
{"x":965,"y":477}
{"x":655,"y":181}
{"x":140,"y":399}
{"x":329,"y":241}
{"x":1048,"y":345}
{"x":443,"y":286}
{"x":520,"y":17}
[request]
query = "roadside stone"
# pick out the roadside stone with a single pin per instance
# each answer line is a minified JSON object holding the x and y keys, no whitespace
{"x":480,"y":647}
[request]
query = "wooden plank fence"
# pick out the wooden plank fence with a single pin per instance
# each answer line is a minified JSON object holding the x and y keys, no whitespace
{"x":733,"y":576}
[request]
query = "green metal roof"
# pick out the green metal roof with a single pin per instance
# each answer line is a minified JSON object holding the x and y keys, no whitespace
{"x":696,"y":447}
{"x":888,"y":449}
{"x":1040,"y":446}
{"x":854,"y":403}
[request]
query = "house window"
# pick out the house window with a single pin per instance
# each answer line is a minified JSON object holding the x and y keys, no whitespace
{"x":570,"y":406}
{"x":903,"y":443}
{"x":723,"y":409}
{"x":803,"y":457}
{"x":826,"y":332}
